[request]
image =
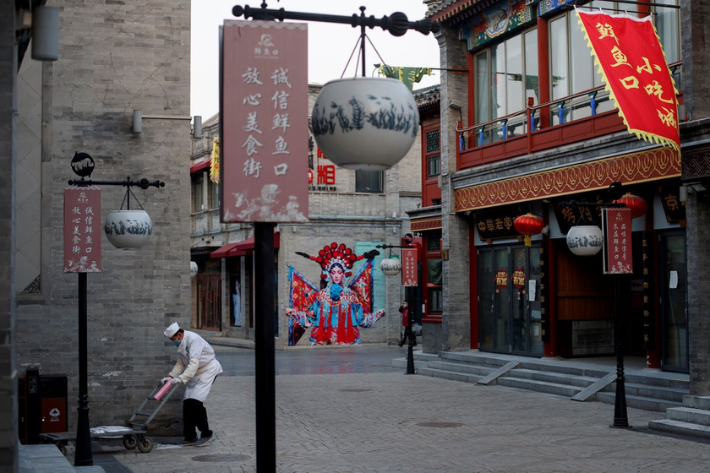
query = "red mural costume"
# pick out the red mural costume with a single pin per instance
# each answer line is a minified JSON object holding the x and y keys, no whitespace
{"x":334,"y":312}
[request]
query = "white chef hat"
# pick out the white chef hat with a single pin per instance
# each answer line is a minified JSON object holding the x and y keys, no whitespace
{"x":172,"y":330}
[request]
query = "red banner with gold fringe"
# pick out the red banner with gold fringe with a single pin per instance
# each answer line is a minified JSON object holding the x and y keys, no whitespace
{"x":634,"y":69}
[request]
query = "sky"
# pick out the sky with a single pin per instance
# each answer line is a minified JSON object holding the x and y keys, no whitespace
{"x":329,"y":45}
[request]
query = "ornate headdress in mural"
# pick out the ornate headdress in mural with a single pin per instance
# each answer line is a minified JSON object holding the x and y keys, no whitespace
{"x":337,"y":255}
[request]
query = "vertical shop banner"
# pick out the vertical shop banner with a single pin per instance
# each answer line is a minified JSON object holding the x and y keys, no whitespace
{"x":82,"y":230}
{"x":410,"y":265}
{"x":617,"y":241}
{"x":634,"y":69}
{"x":264,"y":116}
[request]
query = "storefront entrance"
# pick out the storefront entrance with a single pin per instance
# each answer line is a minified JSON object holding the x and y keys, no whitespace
{"x":674,"y":314}
{"x":509,"y":303}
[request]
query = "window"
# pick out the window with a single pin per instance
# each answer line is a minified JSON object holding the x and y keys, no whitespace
{"x":572,"y":68}
{"x":214,"y":195}
{"x":433,"y":148}
{"x":368,"y":181}
{"x":436,"y":304}
{"x":506,"y":76}
{"x":197,"y":180}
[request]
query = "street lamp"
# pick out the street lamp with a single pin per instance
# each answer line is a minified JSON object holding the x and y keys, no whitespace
{"x":621,"y":419}
{"x":397,"y":24}
{"x":82,"y":255}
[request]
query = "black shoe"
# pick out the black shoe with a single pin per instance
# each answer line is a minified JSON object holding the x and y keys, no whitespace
{"x":203,"y":441}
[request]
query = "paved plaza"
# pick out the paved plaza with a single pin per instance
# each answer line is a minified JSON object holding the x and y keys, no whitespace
{"x":368,"y":417}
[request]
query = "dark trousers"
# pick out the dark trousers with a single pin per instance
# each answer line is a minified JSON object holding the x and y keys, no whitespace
{"x":408,"y":334}
{"x":194,"y":415}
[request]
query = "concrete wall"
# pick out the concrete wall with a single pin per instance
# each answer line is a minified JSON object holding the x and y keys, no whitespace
{"x":114,"y":58}
{"x":8,"y":374}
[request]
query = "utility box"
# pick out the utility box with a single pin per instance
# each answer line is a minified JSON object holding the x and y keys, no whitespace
{"x":54,"y":405}
{"x":42,"y":405}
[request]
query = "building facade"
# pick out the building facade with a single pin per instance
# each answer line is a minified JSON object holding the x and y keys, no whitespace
{"x":529,"y":128}
{"x":362,"y":210}
{"x":113,"y":59}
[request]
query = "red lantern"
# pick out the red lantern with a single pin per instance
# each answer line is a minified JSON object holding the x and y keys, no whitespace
{"x":637,"y":204}
{"x":529,"y":224}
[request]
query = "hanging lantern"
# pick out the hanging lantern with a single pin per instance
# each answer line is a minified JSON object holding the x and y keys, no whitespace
{"x":637,"y":204}
{"x":391,"y":266}
{"x":364,"y":122}
{"x":128,"y":228}
{"x":529,"y":224}
{"x":193,"y":269}
{"x":585,"y":240}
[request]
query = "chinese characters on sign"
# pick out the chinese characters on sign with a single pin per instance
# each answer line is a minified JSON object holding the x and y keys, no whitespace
{"x":82,"y":230}
{"x":635,"y":69}
{"x":409,"y":267}
{"x":498,"y":224}
{"x":265,"y":130}
{"x":617,"y":241}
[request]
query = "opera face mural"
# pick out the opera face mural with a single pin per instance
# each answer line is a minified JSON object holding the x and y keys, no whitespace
{"x":341,"y":304}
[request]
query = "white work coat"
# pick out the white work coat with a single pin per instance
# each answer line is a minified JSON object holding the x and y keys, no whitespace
{"x":196,"y":367}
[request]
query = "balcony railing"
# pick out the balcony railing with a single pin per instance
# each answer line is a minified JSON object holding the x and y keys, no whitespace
{"x":577,"y":117}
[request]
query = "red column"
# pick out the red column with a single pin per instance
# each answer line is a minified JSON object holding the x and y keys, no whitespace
{"x":543,"y":68}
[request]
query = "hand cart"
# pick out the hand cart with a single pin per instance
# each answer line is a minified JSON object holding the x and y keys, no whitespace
{"x":134,"y":435}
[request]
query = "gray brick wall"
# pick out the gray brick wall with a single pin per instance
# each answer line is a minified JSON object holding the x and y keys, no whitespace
{"x":457,"y":316}
{"x":695,"y":38}
{"x":8,"y":375}
{"x":115,"y":58}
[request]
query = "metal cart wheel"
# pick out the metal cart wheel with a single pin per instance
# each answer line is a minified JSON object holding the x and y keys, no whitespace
{"x":130,"y":442}
{"x":145,"y":444}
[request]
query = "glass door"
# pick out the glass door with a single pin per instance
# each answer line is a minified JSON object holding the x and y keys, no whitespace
{"x":674,"y":303}
{"x":509,"y":301}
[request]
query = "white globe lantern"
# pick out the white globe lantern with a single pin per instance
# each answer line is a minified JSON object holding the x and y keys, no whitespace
{"x":193,"y":269}
{"x":391,"y":266}
{"x":364,"y":122}
{"x":128,"y":228}
{"x":585,"y":240}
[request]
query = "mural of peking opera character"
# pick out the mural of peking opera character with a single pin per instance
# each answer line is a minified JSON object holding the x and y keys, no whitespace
{"x":337,"y":309}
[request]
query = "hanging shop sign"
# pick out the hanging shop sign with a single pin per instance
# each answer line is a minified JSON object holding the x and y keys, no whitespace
{"x":323,"y":179}
{"x":673,"y":208}
{"x":501,"y":279}
{"x":497,"y":225}
{"x":617,"y":241}
{"x":82,"y":230}
{"x":410,"y":263}
{"x":264,"y":102}
{"x":634,"y":69}
{"x":568,"y":216}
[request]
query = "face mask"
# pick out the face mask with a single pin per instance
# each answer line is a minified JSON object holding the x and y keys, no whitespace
{"x":177,"y":342}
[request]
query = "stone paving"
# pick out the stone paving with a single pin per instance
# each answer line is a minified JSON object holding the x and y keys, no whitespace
{"x":392,"y":422}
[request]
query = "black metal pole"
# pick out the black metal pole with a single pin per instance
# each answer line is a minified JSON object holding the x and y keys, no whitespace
{"x":265,"y":292}
{"x":621,"y":418}
{"x":83,"y":456}
{"x":410,"y":341}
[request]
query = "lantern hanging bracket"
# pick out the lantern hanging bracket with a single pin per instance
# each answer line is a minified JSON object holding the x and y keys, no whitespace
{"x":397,"y":23}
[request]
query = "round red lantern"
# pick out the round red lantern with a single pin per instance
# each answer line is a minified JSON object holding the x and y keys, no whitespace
{"x":637,"y":204}
{"x":529,"y":224}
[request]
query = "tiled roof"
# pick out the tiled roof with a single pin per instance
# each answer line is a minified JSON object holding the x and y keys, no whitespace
{"x":443,"y":10}
{"x":427,"y":97}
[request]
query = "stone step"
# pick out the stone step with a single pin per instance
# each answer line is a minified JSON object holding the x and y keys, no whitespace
{"x":690,"y":415}
{"x":638,"y":402}
{"x":555,"y":378}
{"x":539,"y":386}
{"x":652,"y":391}
{"x":680,"y":428}
{"x":450,"y":375}
{"x":464,"y":368}
{"x":697,"y":402}
{"x":473,"y":358}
